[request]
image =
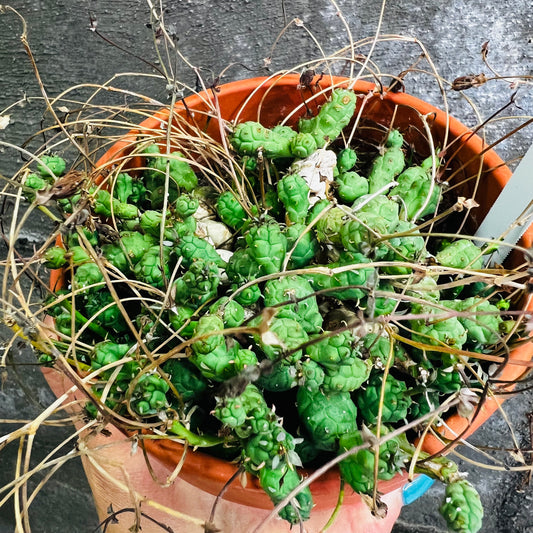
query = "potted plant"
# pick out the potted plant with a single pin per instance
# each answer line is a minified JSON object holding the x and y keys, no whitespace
{"x":273,"y":275}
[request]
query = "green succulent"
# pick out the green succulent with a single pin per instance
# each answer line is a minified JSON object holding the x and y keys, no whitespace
{"x":278,"y":483}
{"x":186,"y":379}
{"x":418,"y":193}
{"x":462,"y":508}
{"x":149,"y":395}
{"x":293,"y":192}
{"x":396,"y":400}
{"x":351,"y":186}
{"x":249,"y":138}
{"x":55,"y":163}
{"x":332,"y":118}
{"x":267,"y":246}
{"x":387,"y":165}
{"x":153,"y":268}
{"x":294,"y":288}
{"x":306,"y":245}
{"x":326,"y":416}
{"x":461,"y":253}
{"x":230,"y":210}
{"x":358,"y":469}
{"x":198,"y":285}
{"x":346,"y":160}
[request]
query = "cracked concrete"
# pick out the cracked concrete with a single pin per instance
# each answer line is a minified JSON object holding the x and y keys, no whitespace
{"x":240,"y":33}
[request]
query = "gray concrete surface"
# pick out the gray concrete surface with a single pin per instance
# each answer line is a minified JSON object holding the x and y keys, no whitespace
{"x":214,"y":34}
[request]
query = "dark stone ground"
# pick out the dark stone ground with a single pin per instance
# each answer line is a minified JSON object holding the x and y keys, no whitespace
{"x":213,"y":35}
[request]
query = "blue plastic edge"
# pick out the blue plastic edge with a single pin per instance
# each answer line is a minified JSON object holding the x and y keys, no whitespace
{"x":416,"y":488}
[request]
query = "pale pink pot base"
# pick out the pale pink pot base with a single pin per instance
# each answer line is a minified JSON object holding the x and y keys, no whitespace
{"x":230,"y":517}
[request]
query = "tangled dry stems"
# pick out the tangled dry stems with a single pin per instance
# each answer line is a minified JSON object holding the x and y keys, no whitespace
{"x":85,"y":129}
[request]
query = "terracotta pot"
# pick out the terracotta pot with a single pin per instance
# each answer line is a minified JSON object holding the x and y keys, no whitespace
{"x":269,"y":101}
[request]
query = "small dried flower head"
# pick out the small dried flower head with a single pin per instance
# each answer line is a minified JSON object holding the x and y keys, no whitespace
{"x":306,"y":78}
{"x":462,"y":83}
{"x":468,"y":401}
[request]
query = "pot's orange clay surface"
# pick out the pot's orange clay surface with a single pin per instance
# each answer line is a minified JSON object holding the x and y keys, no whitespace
{"x":269,"y":101}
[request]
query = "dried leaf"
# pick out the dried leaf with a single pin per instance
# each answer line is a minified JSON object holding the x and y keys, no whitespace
{"x":397,"y":84}
{"x":468,"y":401}
{"x":368,"y":436}
{"x":317,"y":171}
{"x":379,"y":510}
{"x":275,"y":462}
{"x":463,"y":202}
{"x":64,"y":187}
{"x":107,"y":233}
{"x":213,"y":231}
{"x":485,"y":50}
{"x":267,"y":315}
{"x":271,"y":339}
{"x":243,"y":478}
{"x":306,"y":78}
{"x":518,"y":456}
